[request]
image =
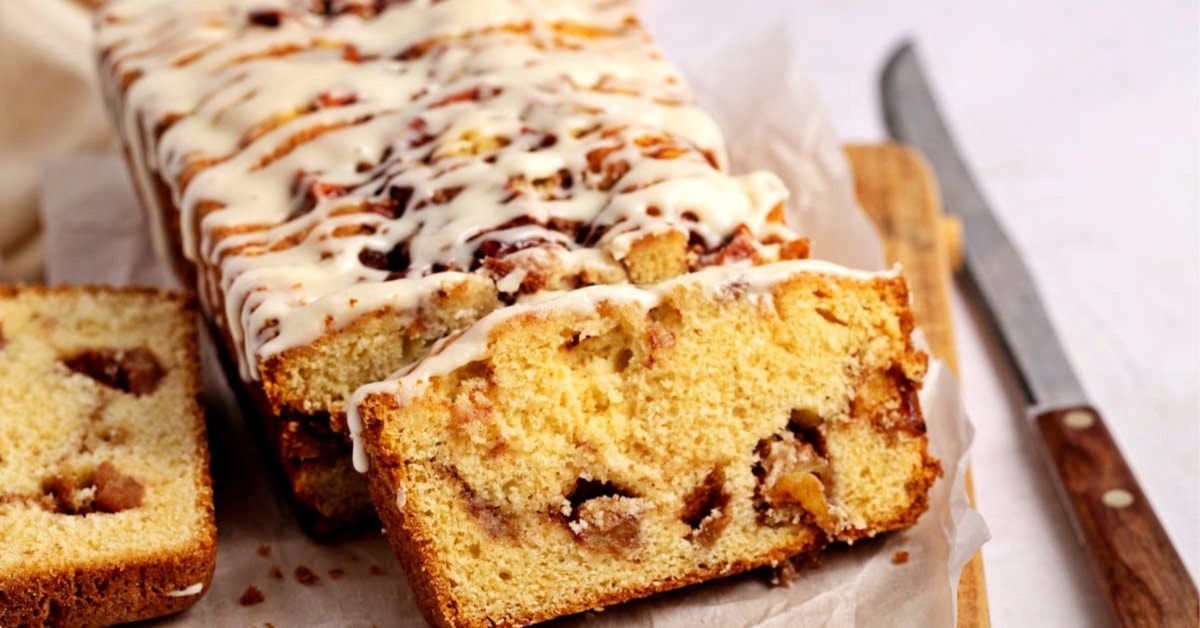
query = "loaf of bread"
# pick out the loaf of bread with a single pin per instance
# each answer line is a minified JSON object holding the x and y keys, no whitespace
{"x":350,"y":181}
{"x":617,"y":441}
{"x":106,"y":512}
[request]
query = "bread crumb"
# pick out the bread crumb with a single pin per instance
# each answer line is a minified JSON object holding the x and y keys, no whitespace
{"x":336,"y":573}
{"x":264,"y":550}
{"x":376,"y":570}
{"x":899,"y":558}
{"x":306,"y":576}
{"x":251,"y":596}
{"x":275,"y":572}
{"x":792,"y":569}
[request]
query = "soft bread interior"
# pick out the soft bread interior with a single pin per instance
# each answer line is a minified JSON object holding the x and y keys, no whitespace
{"x":102,"y":454}
{"x":591,"y":455}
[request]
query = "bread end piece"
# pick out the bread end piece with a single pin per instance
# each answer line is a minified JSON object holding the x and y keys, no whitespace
{"x":106,"y":510}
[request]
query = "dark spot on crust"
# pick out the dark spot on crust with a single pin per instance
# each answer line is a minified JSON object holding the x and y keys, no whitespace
{"x":134,"y":371}
{"x":395,"y":261}
{"x":704,"y":508}
{"x":275,"y":572}
{"x":306,"y":576}
{"x":263,"y":550}
{"x":401,"y":196}
{"x":376,"y":570}
{"x":3,"y":340}
{"x":251,"y":596}
{"x":336,"y":573}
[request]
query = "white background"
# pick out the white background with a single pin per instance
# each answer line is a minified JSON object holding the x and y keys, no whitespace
{"x":1082,"y":120}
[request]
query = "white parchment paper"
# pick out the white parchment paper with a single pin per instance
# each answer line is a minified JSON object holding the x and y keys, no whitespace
{"x":96,"y":234}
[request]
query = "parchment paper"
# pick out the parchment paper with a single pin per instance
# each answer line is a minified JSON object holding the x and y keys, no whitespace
{"x":96,"y":234}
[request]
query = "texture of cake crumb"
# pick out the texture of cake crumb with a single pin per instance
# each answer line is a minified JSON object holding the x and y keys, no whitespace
{"x":565,"y":441}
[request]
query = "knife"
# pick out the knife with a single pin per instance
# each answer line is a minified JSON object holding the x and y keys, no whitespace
{"x":1144,"y":581}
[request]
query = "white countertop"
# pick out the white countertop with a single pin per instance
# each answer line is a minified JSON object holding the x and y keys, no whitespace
{"x":1082,"y":120}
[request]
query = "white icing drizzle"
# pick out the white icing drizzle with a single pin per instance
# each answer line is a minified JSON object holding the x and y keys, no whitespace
{"x":456,"y":351}
{"x":293,"y":141}
{"x":194,"y":589}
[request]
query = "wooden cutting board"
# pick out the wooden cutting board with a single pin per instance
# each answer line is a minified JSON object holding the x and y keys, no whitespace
{"x":897,"y":189}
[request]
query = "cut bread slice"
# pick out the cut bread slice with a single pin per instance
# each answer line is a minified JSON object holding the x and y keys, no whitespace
{"x":106,"y":511}
{"x":616,"y":441}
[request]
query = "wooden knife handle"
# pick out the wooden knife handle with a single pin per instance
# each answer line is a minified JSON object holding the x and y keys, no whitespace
{"x":1143,"y":578}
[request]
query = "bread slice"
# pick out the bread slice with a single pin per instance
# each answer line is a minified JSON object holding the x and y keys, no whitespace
{"x":616,"y":441}
{"x":106,"y":511}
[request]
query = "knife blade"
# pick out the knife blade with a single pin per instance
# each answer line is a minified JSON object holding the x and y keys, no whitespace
{"x":1144,"y":581}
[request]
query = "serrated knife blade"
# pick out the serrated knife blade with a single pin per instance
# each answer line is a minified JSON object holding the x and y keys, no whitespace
{"x":1144,"y":581}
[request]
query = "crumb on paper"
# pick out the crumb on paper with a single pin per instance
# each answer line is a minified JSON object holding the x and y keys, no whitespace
{"x":336,"y":572}
{"x":263,"y":550}
{"x":251,"y":596}
{"x":376,"y":570}
{"x":791,"y":569}
{"x":306,"y":576}
{"x":783,"y":574}
{"x":900,"y":557}
{"x":275,"y":572}
{"x":268,"y":625}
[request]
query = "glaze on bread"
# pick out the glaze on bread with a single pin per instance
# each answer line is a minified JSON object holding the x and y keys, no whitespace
{"x":350,"y":181}
{"x":106,"y":511}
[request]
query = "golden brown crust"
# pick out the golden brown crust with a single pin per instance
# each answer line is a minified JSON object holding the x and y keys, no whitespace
{"x":104,"y":595}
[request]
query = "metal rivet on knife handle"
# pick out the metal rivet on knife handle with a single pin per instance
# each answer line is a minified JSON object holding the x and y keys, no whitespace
{"x":1079,"y":419}
{"x":1117,"y":498}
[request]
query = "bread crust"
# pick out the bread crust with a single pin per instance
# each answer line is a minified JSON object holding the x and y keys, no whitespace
{"x":103,"y":595}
